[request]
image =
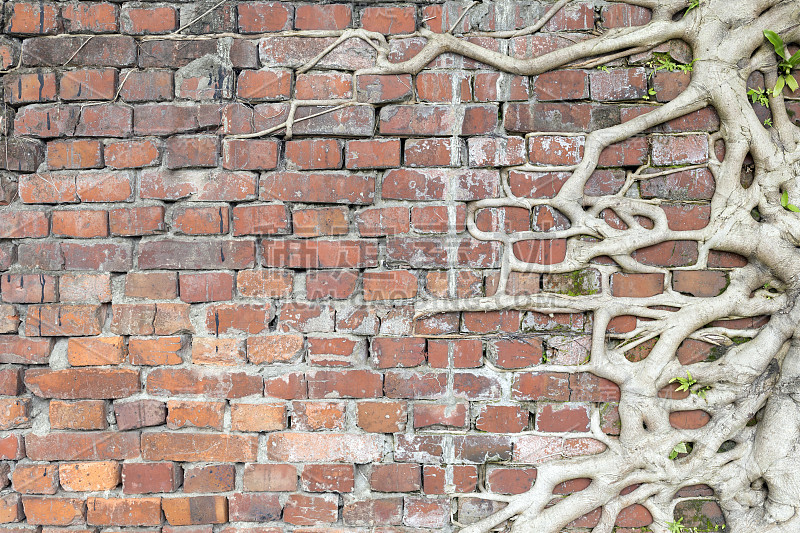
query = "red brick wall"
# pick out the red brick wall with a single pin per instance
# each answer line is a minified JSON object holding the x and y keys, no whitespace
{"x":200,"y":329}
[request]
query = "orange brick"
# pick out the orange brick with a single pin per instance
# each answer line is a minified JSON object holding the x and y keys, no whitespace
{"x":84,"y":414}
{"x":258,"y":417}
{"x":35,"y":479}
{"x":93,"y":351}
{"x":89,"y":477}
{"x":124,"y":511}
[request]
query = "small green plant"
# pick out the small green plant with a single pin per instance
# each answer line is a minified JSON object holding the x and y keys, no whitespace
{"x":693,"y":4}
{"x":785,"y":78}
{"x":758,"y":96}
{"x":681,"y":447}
{"x":665,"y":62}
{"x":786,"y":205}
{"x":650,"y":92}
{"x":603,"y":68}
{"x":678,"y":527}
{"x":767,"y":122}
{"x":686,"y":384}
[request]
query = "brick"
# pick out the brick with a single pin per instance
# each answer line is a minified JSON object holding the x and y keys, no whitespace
{"x":195,"y":414}
{"x":324,"y":447}
{"x":12,"y":447}
{"x":146,"y":85}
{"x":32,"y":18}
{"x":48,"y":189}
{"x":618,"y":84}
{"x":418,"y":120}
{"x":145,"y":478}
{"x":90,"y":17}
{"x":155,"y":352}
{"x":677,"y":150}
{"x":373,"y":512}
{"x":27,"y":88}
{"x":316,"y":416}
{"x":260,"y":219}
{"x":196,"y":254}
{"x":82,"y":446}
{"x":109,"y":257}
{"x":395,"y":478}
{"x":64,"y":320}
{"x":328,"y":478}
{"x":254,"y":507}
{"x":199,"y":447}
{"x":85,"y":383}
{"x":89,"y":84}
{"x":258,"y":417}
{"x":35,"y":478}
{"x":320,"y":253}
{"x":131,"y":154}
{"x":541,"y":385}
{"x":409,"y":384}
{"x":383,"y":221}
{"x":151,"y":285}
{"x":200,"y":220}
{"x":25,"y":351}
{"x":258,"y":17}
{"x":94,"y":351}
{"x":123,"y":511}
{"x":46,"y":511}
{"x":102,"y":50}
{"x":439,"y":87}
{"x":28,"y":288}
{"x":89,"y":477}
{"x":85,"y":287}
{"x":264,"y":85}
{"x":147,"y":220}
{"x":390,"y":285}
{"x":10,"y":382}
{"x":700,"y":283}
{"x":195,"y":151}
{"x":104,"y":186}
{"x":318,"y":188}
{"x":249,"y":154}
{"x":269,"y":478}
{"x":264,"y":283}
{"x":313,"y":154}
{"x":319,"y":222}
{"x":148,"y":20}
{"x":294,"y":51}
{"x":306,"y":510}
{"x":379,"y":89}
{"x":81,"y":224}
{"x":502,"y":419}
{"x":322,"y":17}
{"x":24,"y":155}
{"x":22,"y":224}
{"x":211,"y":478}
{"x":426,"y":512}
{"x":170,"y":382}
{"x":389,"y":20}
{"x":377,"y":153}
{"x":621,"y":16}
{"x":105,"y":120}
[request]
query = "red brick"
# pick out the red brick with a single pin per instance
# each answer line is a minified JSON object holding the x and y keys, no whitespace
{"x":378,"y":89}
{"x":211,"y":478}
{"x":249,"y":154}
{"x":155,"y":352}
{"x":264,"y":283}
{"x":89,"y":84}
{"x":258,"y":417}
{"x":87,"y":287}
{"x":320,"y":253}
{"x":25,"y":351}
{"x":677,"y":150}
{"x":323,"y":85}
{"x":259,"y":85}
{"x":562,"y":417}
{"x":409,"y":384}
{"x":318,"y":188}
{"x":389,"y":20}
{"x":28,"y":288}
{"x":32,"y":18}
{"x":389,"y":285}
{"x":82,"y":224}
{"x":319,"y":222}
{"x":200,"y":220}
{"x":311,"y":510}
{"x":89,"y":477}
{"x":35,"y":478}
{"x":322,"y":17}
{"x":418,"y":120}
{"x":90,"y":17}
{"x":148,"y":20}
{"x":258,"y":17}
{"x":621,"y":16}
{"x":94,"y":351}
{"x":195,"y":151}
{"x":376,"y":153}
{"x":337,"y":284}
{"x":74,"y":154}
{"x":82,"y":446}
{"x":269,"y":478}
{"x":438,"y":87}
{"x":260,"y":219}
{"x":324,"y":447}
{"x":215,"y":351}
{"x":190,"y":510}
{"x":151,"y":285}
{"x":254,"y":507}
{"x":144,"y":478}
{"x":694,"y":419}
{"x":30,"y":88}
{"x":85,"y":414}
{"x":89,"y":383}
{"x":373,"y":512}
{"x":637,"y":285}
{"x":45,"y":511}
{"x":104,"y":186}
{"x":328,"y":478}
{"x":124,"y":511}
{"x":211,"y":447}
{"x":395,"y":478}
{"x":64,"y":320}
{"x":344,"y":384}
{"x":105,"y":120}
{"x":146,"y":85}
{"x":10,"y":382}
{"x":184,"y":381}
{"x":502,"y":419}
{"x":131,"y":154}
{"x":196,"y":254}
{"x":383,"y":221}
{"x":314,"y":154}
{"x":195,"y":414}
